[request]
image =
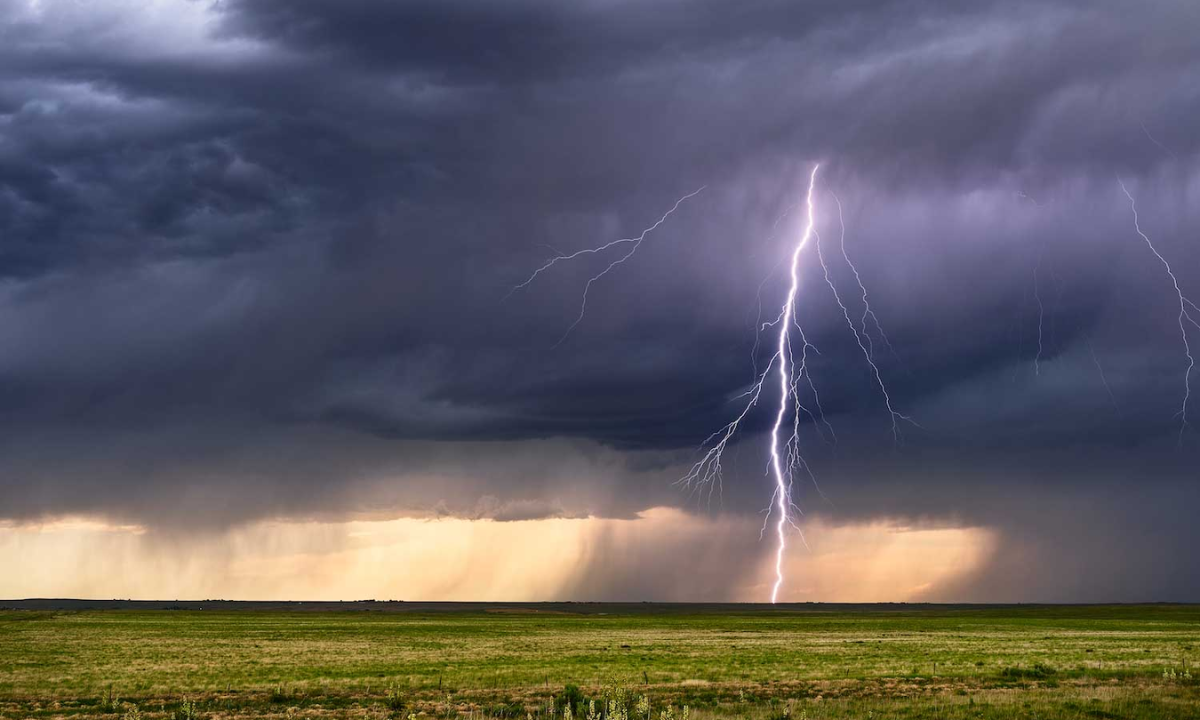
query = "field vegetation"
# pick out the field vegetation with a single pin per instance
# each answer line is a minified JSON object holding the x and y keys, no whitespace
{"x":634,"y":663}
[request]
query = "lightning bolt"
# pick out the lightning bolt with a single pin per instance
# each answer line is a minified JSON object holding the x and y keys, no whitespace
{"x":633,"y":242}
{"x":1185,"y":317}
{"x":707,"y":470}
{"x":787,"y":366}
{"x":790,"y":369}
{"x":782,"y":488}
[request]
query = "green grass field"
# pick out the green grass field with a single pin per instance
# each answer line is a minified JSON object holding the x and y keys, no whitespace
{"x":509,"y":662}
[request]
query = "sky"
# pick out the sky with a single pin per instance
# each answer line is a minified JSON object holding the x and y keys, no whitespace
{"x":259,"y":336}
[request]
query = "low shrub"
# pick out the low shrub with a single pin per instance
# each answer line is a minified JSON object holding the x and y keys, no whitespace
{"x":394,"y":699}
{"x":187,"y":710}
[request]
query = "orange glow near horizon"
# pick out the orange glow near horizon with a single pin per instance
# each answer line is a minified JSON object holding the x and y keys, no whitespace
{"x":663,"y":554}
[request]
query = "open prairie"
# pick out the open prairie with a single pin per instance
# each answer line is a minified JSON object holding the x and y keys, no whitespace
{"x":377,"y":660}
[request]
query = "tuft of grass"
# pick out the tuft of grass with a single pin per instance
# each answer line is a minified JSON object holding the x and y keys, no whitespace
{"x":572,"y":699}
{"x":780,"y":711}
{"x":1037,"y":671}
{"x":507,"y":710}
{"x":110,"y":702}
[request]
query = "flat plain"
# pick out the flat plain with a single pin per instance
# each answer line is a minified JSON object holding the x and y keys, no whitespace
{"x":635,"y":661}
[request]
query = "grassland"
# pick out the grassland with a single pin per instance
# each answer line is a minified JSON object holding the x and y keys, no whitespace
{"x":505,"y":662}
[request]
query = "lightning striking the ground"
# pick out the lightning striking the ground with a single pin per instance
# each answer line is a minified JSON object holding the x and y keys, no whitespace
{"x":633,"y":242}
{"x":783,"y":490}
{"x":791,"y":368}
{"x":1185,"y":316}
{"x":788,"y":365}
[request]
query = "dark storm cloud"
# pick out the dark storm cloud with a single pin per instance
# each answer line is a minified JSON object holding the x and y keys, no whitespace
{"x":254,"y":255}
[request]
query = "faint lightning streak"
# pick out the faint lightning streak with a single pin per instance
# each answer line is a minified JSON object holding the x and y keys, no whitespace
{"x":1184,"y":316}
{"x":862,"y":289}
{"x":895,"y":417}
{"x":635,"y":242}
{"x":758,"y":325}
{"x":1103,"y":377}
{"x":1154,"y":140}
{"x":1037,"y":295}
